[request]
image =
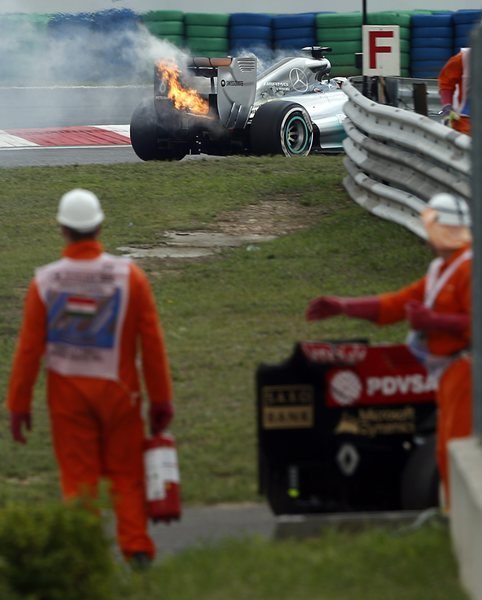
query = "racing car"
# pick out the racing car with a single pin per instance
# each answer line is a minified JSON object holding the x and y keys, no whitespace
{"x":292,"y":108}
{"x":345,"y":426}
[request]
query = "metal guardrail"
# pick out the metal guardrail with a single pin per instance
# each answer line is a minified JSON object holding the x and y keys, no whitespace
{"x":396,"y":160}
{"x":400,"y":93}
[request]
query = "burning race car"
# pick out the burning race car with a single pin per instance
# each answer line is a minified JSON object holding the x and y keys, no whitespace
{"x":292,"y":108}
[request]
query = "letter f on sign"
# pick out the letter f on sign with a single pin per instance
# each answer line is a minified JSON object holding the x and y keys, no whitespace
{"x":373,"y":37}
{"x":381,"y":50}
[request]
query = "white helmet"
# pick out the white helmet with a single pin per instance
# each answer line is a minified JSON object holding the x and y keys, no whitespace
{"x":451,"y":210}
{"x":80,"y":210}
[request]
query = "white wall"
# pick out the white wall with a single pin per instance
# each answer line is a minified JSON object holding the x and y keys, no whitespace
{"x":466,"y":511}
{"x":230,"y":6}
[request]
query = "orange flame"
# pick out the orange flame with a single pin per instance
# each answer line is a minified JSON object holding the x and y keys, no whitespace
{"x":182,"y":98}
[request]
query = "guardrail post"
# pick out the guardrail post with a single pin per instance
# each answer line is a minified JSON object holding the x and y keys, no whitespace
{"x":476,"y":93}
{"x":420,"y":98}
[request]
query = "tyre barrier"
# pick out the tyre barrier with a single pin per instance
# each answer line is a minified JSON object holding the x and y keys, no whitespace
{"x":293,"y":32}
{"x":431,"y":44}
{"x":93,"y":47}
{"x":251,"y":33}
{"x":382,"y":174}
{"x":165,"y":25}
{"x":343,"y":34}
{"x":163,"y":15}
{"x":207,"y":34}
{"x":250,"y":19}
{"x":464,"y":23}
{"x":400,"y":18}
{"x":81,"y":47}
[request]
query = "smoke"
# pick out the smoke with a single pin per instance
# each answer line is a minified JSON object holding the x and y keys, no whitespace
{"x":75,"y":50}
{"x":56,"y":76}
{"x":33,"y":54}
{"x":65,"y":70}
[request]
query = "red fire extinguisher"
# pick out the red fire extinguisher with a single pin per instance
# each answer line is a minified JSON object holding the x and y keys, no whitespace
{"x":163,"y":490}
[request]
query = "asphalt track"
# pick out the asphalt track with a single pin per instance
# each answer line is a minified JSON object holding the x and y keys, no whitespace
{"x":104,"y":144}
{"x":28,"y":157}
{"x":205,"y":526}
{"x":67,"y":125}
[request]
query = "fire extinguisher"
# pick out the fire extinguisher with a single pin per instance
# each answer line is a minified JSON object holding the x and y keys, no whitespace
{"x":163,"y":490}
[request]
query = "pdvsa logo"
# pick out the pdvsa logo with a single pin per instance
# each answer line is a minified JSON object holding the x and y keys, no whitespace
{"x":346,"y":388}
{"x":416,"y":383}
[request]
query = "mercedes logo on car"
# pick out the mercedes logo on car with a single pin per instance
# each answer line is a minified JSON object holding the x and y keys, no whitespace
{"x":298,"y":80}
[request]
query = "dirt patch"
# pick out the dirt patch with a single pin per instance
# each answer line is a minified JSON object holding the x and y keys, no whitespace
{"x":254,"y":224}
{"x":272,"y":217}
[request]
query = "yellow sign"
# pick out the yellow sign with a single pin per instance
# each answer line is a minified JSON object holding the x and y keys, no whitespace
{"x":287,"y":406}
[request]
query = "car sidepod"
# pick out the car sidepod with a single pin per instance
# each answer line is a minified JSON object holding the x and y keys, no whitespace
{"x":327,"y":115}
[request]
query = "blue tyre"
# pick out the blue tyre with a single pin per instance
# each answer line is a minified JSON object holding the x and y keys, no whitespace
{"x":294,"y":44}
{"x":422,"y":42}
{"x":257,"y":32}
{"x":442,"y":54}
{"x":244,"y":43}
{"x":431,"y":21}
{"x":251,"y":19}
{"x":460,"y":43}
{"x":294,"y":33}
{"x":467,"y":16}
{"x":289,"y":21}
{"x":429,"y":32}
{"x":463,"y":32}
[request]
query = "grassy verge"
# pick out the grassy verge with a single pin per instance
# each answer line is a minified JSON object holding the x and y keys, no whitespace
{"x":368,"y":565}
{"x":222,"y":316}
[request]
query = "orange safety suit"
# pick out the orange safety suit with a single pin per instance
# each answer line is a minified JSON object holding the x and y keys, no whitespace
{"x":454,"y":83}
{"x":96,"y":420}
{"x":454,"y":393}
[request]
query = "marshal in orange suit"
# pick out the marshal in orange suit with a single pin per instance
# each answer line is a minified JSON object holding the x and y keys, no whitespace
{"x":87,"y":315}
{"x":454,"y":91}
{"x":438,"y":309}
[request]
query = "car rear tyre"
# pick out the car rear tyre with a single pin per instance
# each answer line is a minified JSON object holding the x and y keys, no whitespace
{"x":152,"y":137}
{"x":281,"y":127}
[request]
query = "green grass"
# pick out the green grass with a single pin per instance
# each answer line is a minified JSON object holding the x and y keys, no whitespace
{"x":222,"y":317}
{"x":367,"y":565}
